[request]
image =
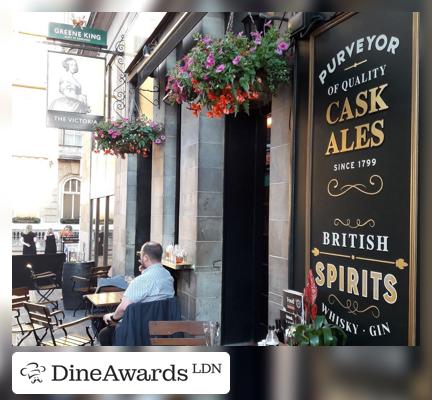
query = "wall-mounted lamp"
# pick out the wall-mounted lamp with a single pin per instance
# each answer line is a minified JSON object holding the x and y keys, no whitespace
{"x":302,"y":23}
{"x":148,"y":48}
{"x":146,"y":51}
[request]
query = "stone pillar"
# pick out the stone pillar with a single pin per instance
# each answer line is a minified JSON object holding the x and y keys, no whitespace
{"x":201,"y":204}
{"x":85,"y":172}
{"x":124,"y":216}
{"x":164,"y":162}
{"x":201,"y":215}
{"x":281,"y":153}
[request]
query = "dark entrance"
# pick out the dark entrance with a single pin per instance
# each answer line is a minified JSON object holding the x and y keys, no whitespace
{"x":245,"y":237}
{"x":143,"y":205}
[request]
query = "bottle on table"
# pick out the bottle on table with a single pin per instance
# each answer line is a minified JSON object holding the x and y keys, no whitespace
{"x":271,"y":339}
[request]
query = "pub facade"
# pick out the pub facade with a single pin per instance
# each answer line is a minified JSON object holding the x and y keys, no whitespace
{"x":322,"y":176}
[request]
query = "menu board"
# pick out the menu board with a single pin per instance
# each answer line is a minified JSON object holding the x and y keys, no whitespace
{"x":362,"y":185}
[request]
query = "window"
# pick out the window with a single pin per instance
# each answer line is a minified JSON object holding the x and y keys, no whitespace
{"x":71,"y":199}
{"x":72,"y":138}
{"x":101,"y":245}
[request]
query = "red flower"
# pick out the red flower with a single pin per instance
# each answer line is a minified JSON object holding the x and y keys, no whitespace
{"x":313,"y":311}
{"x":196,"y":109}
{"x":310,"y":294}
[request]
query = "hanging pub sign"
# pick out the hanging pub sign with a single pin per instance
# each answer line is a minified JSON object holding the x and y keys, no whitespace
{"x":72,"y":33}
{"x":76,"y":91}
{"x":361,"y":222}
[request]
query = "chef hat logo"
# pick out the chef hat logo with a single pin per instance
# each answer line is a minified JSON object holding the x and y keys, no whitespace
{"x":32,"y":371}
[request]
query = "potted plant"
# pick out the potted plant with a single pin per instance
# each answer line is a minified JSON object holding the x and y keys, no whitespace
{"x":225,"y":75}
{"x":123,"y":136}
{"x":317,"y":331}
{"x":26,"y":220}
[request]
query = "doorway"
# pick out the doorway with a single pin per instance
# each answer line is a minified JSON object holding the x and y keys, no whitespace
{"x":245,"y":227}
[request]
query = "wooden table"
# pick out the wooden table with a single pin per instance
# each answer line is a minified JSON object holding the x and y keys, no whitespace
{"x":104,"y":302}
{"x":105,"y":299}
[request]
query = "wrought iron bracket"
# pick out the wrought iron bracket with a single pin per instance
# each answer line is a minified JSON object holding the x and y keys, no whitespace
{"x":119,"y":91}
{"x":155,"y":101}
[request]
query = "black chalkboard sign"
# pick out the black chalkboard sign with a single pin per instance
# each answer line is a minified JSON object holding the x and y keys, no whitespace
{"x":362,"y":175}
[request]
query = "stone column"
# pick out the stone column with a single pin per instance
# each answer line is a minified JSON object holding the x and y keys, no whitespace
{"x":125,"y":216}
{"x":281,"y":153}
{"x":164,"y":162}
{"x":201,"y":204}
{"x":201,"y":215}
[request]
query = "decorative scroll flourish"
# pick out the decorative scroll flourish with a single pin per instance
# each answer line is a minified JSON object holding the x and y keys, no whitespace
{"x":353,"y":306}
{"x":155,"y":92}
{"x":355,"y":65}
{"x":358,"y":223}
{"x":399,"y":263}
{"x":119,"y":91}
{"x":375,"y":182}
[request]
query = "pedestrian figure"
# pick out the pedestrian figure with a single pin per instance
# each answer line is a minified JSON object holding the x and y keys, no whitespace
{"x":50,"y":242}
{"x":28,"y":240}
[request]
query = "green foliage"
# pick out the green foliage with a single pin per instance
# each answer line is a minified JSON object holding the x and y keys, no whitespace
{"x":319,"y":333}
{"x":26,"y":220}
{"x":69,"y":220}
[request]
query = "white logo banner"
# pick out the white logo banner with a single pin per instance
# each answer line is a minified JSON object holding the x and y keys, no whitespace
{"x":121,"y":372}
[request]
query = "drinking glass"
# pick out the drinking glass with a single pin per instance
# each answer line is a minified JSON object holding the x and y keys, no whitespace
{"x":212,"y":333}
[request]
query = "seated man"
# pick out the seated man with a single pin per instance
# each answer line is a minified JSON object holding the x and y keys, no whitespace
{"x":154,"y":283}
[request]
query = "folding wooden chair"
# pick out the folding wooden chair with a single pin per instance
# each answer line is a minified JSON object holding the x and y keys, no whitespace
{"x":88,"y":284}
{"x":41,"y":315}
{"x":44,"y":283}
{"x":194,"y":329}
{"x":23,"y":327}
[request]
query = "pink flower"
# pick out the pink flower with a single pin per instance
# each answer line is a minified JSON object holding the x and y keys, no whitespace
{"x":162,"y":137}
{"x":158,"y":141}
{"x":206,"y":40}
{"x":220,"y":68}
{"x":236,"y":60}
{"x":256,"y":36}
{"x":279,"y":51}
{"x":210,"y":62}
{"x":283,"y":46}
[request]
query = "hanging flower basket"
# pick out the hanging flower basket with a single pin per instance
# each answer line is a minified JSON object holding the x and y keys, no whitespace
{"x":225,"y":75}
{"x":123,"y":136}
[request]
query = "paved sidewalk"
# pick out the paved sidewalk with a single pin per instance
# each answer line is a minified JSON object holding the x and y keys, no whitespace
{"x":76,"y":330}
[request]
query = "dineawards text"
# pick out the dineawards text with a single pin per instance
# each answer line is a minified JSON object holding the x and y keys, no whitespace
{"x":112,"y":374}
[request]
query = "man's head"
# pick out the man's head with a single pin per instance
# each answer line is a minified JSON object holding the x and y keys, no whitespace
{"x":151,"y":253}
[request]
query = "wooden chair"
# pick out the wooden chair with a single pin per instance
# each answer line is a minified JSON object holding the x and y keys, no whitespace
{"x":88,"y":284}
{"x":24,"y":327}
{"x":40,"y":315}
{"x":168,"y":328}
{"x":44,"y":283}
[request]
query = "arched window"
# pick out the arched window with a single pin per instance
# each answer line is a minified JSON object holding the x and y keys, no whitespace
{"x":71,"y":199}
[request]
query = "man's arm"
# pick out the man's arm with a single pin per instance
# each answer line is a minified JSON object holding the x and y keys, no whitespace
{"x":118,"y":313}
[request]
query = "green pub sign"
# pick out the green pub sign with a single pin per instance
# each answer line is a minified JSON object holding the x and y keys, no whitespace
{"x":70,"y":33}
